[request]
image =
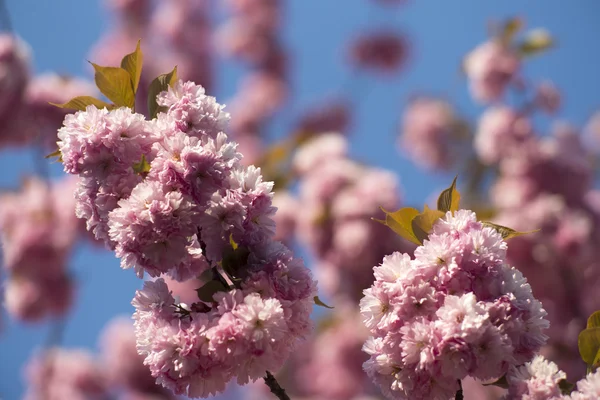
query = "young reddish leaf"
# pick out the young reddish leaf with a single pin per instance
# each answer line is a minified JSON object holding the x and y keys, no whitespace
{"x":132,"y":63}
{"x":589,"y":345}
{"x":319,"y":302}
{"x":115,"y":84}
{"x":423,"y":223}
{"x":401,"y":222}
{"x":80,"y":103}
{"x":536,"y":42}
{"x":594,"y":320}
{"x":506,"y":233}
{"x":161,"y":83}
{"x":449,"y":199}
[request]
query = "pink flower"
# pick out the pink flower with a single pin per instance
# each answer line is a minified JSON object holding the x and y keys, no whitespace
{"x":537,"y":379}
{"x":456,"y":310}
{"x":151,"y":229}
{"x":196,"y":113}
{"x":65,"y":374}
{"x":547,"y":97}
{"x":380,"y":51}
{"x":588,"y":388}
{"x":170,"y":196}
{"x":14,"y":75}
{"x":52,"y":88}
{"x":330,"y":116}
{"x":500,"y":133}
{"x":124,"y":366}
{"x":490,"y":68}
{"x":31,"y":298}
{"x":427,"y":132}
{"x":285,"y":218}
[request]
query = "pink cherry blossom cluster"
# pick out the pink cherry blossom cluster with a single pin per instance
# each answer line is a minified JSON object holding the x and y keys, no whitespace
{"x":491,"y":68}
{"x":24,"y":110}
{"x":542,"y":379}
{"x":548,"y":185}
{"x":38,"y":230}
{"x":171,"y":196}
{"x":456,"y":310}
{"x":119,"y":372}
{"x":544,"y":182}
{"x":339,"y":196}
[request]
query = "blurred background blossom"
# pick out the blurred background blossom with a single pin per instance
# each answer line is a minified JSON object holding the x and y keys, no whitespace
{"x":378,"y":103}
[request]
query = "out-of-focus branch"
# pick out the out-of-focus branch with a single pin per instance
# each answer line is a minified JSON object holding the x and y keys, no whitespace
{"x":277,"y":390}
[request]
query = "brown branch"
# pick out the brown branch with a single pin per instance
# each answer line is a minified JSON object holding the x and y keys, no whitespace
{"x":277,"y":390}
{"x":459,"y":392}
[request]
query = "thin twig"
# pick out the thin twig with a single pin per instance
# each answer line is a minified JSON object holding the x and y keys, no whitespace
{"x":277,"y":390}
{"x":459,"y":392}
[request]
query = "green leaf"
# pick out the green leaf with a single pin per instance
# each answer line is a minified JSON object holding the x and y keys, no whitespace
{"x":401,"y":222}
{"x":319,"y":302}
{"x":132,"y":63}
{"x":207,"y":275}
{"x":594,"y":320}
{"x":509,"y":29}
{"x":234,"y":258}
{"x":536,"y":42}
{"x":449,"y":199}
{"x":596,"y":362}
{"x":115,"y":84}
{"x":506,"y":233}
{"x":422,"y":224}
{"x":81,"y":102}
{"x":232,"y":242}
{"x":208,"y":290}
{"x":501,"y":383}
{"x":565,"y":386}
{"x":142,"y":167}
{"x":589,"y":345}
{"x":56,"y":154}
{"x":161,"y":83}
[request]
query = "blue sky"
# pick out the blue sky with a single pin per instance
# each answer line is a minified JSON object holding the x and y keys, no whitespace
{"x":61,"y":32}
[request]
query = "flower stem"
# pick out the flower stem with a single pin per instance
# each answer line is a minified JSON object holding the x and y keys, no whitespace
{"x":277,"y":390}
{"x":459,"y":392}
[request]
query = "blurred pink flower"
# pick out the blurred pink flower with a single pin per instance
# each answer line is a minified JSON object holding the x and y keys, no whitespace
{"x":548,"y":97}
{"x":383,"y":51}
{"x":591,"y":133}
{"x":330,"y":116}
{"x":426,"y":133}
{"x":333,"y":369}
{"x":124,"y":367}
{"x":30,"y":298}
{"x":339,"y":197}
{"x":52,"y":88}
{"x":59,"y":374}
{"x":286,"y":216}
{"x":14,"y":75}
{"x":490,"y":68}
{"x":501,"y":131}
